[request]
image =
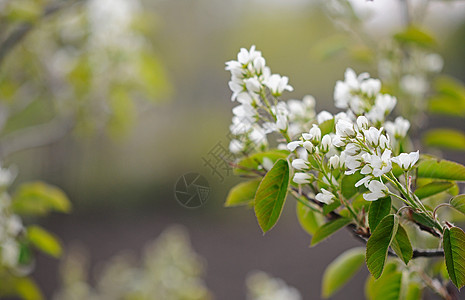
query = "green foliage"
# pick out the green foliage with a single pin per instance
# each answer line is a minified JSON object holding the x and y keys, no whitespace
{"x":431,"y":167}
{"x":445,"y":138}
{"x":328,"y":229}
{"x":271,"y":194}
{"x":401,"y":245}
{"x":454,"y":254}
{"x":458,"y":202}
{"x":327,"y":126}
{"x":433,"y":188}
{"x":38,"y":198}
{"x":22,"y":287}
{"x":242,"y":194}
{"x":308,"y":219}
{"x":341,"y":270}
{"x":387,"y":287}
{"x":378,"y":244}
{"x":378,"y":210}
{"x":450,"y":97}
{"x":348,"y":188}
{"x":415,"y":36}
{"x":44,"y":241}
{"x":413,"y":291}
{"x":254,"y":161}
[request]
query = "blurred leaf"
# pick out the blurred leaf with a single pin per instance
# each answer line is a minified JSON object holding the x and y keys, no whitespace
{"x":242,"y":194}
{"x":431,"y":167}
{"x":153,"y":77}
{"x":458,"y":202}
{"x":328,"y":229}
{"x":327,"y":127}
{"x":433,"y":188}
{"x":271,"y":194}
{"x":44,"y":241}
{"x":401,"y":245}
{"x":341,"y":270}
{"x":416,"y":36}
{"x":23,"y":11}
{"x":445,"y":138}
{"x":255,"y":160}
{"x":378,"y":210}
{"x":308,"y":219}
{"x":454,"y":254}
{"x":122,"y":112}
{"x":413,"y":291}
{"x":450,"y":97}
{"x":331,"y":46}
{"x":327,"y":208}
{"x":387,"y":287}
{"x":378,"y":244}
{"x":38,"y":198}
{"x":27,"y":289}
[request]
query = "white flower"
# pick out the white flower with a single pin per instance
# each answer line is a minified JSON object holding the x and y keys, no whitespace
{"x":334,"y":162}
{"x":267,"y":163}
{"x":414,"y":84}
{"x":352,"y":149}
{"x":372,"y":136}
{"x":293,"y":145}
{"x":362,"y":122}
{"x":281,"y":112}
{"x":313,"y":135}
{"x":258,"y":135}
{"x":377,"y":189}
{"x":397,"y":129}
{"x":302,"y":178}
{"x":302,"y":109}
{"x":376,"y":165}
{"x":244,"y":57}
{"x":7,"y":175}
{"x":345,"y":128}
{"x":324,"y":116}
{"x":9,"y":252}
{"x":309,"y":147}
{"x":370,"y":87}
{"x":326,"y":196}
{"x":406,"y":161}
{"x":235,"y":146}
{"x":253,"y":84}
{"x":277,"y":84}
{"x":299,"y":164}
{"x":433,"y":62}
{"x":384,"y":104}
{"x":325,"y":143}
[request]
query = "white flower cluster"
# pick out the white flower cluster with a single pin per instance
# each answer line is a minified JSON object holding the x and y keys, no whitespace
{"x":359,"y":145}
{"x":260,"y":112}
{"x":10,"y":224}
{"x":261,"y":286}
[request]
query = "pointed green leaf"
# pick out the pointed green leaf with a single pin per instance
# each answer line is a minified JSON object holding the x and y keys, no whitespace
{"x":454,"y":254}
{"x":378,"y":210}
{"x":387,"y":287}
{"x":401,"y":245}
{"x":327,"y":127}
{"x":348,"y":188}
{"x":254,"y":161}
{"x":327,"y":208}
{"x":44,"y":241}
{"x":413,"y":291}
{"x":415,"y":35}
{"x":242,"y":194}
{"x":378,"y":244}
{"x":433,"y":188}
{"x":38,"y":198}
{"x":458,"y":202}
{"x":270,"y":195}
{"x":430,"y":167}
{"x":308,"y":219}
{"x":341,"y":270}
{"x":445,"y":138}
{"x":328,"y":229}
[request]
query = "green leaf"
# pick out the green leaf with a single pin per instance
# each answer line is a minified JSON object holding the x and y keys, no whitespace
{"x":450,"y":99}
{"x":27,"y":289}
{"x":413,"y":291}
{"x":445,"y":138}
{"x":433,"y":188}
{"x":431,"y":167}
{"x":458,"y":202}
{"x":388,"y":287}
{"x":454,"y":254}
{"x":271,"y":194}
{"x":308,"y":219}
{"x":401,"y":245}
{"x":341,"y":270}
{"x":327,"y":126}
{"x":38,"y":198}
{"x":348,"y":182}
{"x":44,"y":241}
{"x":328,"y":229}
{"x":378,"y":244}
{"x":416,"y":36}
{"x":378,"y":210}
{"x":242,"y":194}
{"x":327,"y":208}
{"x":255,"y":160}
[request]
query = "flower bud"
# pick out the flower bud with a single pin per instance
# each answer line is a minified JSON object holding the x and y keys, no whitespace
{"x":334,"y":162}
{"x":315,"y":132}
{"x":302,"y":178}
{"x":325,"y":143}
{"x":345,"y":128}
{"x":299,"y":164}
{"x":362,"y":122}
{"x":309,"y":146}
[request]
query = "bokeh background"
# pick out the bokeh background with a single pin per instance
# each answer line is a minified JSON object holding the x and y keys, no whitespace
{"x":121,"y":181}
